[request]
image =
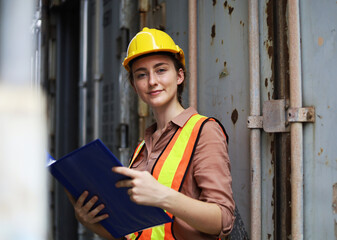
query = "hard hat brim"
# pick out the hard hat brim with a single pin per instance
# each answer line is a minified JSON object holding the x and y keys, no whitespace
{"x":180,"y":53}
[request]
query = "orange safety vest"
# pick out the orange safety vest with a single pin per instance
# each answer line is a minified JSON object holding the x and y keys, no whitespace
{"x":171,"y":167}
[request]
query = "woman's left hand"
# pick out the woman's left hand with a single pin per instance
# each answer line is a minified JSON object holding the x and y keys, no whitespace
{"x":143,"y":187}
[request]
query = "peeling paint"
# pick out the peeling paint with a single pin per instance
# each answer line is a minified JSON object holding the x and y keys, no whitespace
{"x":214,"y":2}
{"x":266,"y":82}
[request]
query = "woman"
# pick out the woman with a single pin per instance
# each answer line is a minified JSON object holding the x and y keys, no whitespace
{"x":182,"y":165}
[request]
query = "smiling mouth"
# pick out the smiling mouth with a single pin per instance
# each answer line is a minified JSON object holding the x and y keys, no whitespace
{"x":154,"y":93}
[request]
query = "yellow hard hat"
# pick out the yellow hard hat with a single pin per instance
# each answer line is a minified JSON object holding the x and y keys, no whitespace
{"x":149,"y":41}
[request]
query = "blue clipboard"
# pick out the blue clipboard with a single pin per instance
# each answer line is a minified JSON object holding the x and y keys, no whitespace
{"x":89,"y":168}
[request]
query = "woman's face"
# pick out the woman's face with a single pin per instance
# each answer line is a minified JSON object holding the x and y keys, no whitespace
{"x":155,"y":80}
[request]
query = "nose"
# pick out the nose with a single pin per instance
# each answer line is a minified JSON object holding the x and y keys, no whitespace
{"x":152,"y":79}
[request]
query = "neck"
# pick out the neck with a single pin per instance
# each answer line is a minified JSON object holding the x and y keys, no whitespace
{"x":164,"y":115}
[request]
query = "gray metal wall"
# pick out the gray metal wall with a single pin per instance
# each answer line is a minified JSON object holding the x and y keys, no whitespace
{"x":223,"y":84}
{"x":319,"y":79}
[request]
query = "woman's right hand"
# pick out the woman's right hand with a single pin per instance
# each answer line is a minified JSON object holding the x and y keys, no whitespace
{"x":83,"y":211}
{"x":87,"y":217}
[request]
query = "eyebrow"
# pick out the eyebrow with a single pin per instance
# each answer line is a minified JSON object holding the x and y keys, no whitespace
{"x":155,"y":66}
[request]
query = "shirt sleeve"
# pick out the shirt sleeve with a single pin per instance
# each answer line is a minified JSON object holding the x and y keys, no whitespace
{"x":211,"y":170}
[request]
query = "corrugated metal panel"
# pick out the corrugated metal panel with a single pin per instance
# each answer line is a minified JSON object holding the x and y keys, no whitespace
{"x":111,"y":65}
{"x":319,"y":61}
{"x":222,"y":50}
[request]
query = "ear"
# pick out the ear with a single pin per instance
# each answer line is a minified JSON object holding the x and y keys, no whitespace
{"x":180,"y":76}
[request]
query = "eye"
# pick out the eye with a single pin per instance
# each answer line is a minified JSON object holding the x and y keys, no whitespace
{"x":140,"y":75}
{"x":161,"y":70}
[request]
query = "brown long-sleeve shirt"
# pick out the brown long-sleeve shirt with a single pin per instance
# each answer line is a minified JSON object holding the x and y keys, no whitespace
{"x":208,"y":178}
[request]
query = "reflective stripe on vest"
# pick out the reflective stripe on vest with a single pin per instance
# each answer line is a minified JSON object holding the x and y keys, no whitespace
{"x":135,"y":154}
{"x":170,"y":169}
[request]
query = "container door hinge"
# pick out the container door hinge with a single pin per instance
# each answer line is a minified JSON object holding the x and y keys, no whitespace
{"x":277,"y":116}
{"x":303,"y":115}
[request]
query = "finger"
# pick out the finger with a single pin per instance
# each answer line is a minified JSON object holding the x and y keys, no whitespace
{"x":96,"y":210}
{"x":80,"y":201}
{"x":100,"y":218}
{"x":124,"y":183}
{"x":126,"y":171}
{"x":130,"y":192}
{"x":90,"y":203}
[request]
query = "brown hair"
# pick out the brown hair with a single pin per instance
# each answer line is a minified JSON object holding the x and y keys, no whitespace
{"x":177,"y":66}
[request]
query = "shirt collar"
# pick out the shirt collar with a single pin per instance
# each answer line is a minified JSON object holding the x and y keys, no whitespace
{"x":183,"y":117}
{"x":179,"y":120}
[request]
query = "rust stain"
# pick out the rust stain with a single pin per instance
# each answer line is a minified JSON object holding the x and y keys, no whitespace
{"x":242,"y":23}
{"x":221,"y":42}
{"x":320,"y":41}
{"x":269,"y":43}
{"x":235,"y":116}
{"x":227,"y":6}
{"x":272,"y":151}
{"x":270,"y":51}
{"x":270,"y":20}
{"x":217,"y":60}
{"x":225,"y":64}
{"x":335,"y":224}
{"x":230,"y":10}
{"x":213,"y":31}
{"x":334,"y":198}
{"x":321,"y":151}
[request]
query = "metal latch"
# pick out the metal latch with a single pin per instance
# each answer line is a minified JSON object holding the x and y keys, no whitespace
{"x":255,"y":122}
{"x":277,"y":115}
